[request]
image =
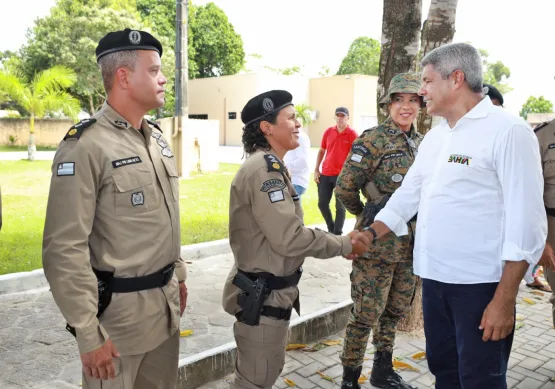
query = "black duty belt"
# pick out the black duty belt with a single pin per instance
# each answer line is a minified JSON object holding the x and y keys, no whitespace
{"x":276,"y":283}
{"x":550,"y":211}
{"x":135,"y":284}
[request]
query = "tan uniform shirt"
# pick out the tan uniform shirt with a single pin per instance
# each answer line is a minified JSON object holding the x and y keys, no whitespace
{"x":114,"y":205}
{"x":266,"y":229}
{"x":546,"y":138}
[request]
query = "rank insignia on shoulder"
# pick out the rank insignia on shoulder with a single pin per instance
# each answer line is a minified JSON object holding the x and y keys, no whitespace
{"x":77,"y":129}
{"x":154,"y":124}
{"x":274,"y":164}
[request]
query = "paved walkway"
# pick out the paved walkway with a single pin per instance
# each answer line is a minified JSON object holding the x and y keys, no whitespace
{"x":37,"y":352}
{"x":532,"y":363}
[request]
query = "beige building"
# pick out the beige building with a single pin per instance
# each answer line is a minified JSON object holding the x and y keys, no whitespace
{"x":537,"y":118}
{"x":222,"y":98}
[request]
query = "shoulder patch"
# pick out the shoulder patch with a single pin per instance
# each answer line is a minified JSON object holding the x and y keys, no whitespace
{"x":77,"y":129}
{"x":541,"y":125}
{"x":154,"y":124}
{"x":360,"y":149}
{"x":272,"y":184}
{"x":274,"y":164}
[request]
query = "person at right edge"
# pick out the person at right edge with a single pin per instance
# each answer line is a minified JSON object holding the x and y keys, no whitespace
{"x":545,"y":132}
{"x":270,"y":242}
{"x":382,"y":281}
{"x":477,"y":186}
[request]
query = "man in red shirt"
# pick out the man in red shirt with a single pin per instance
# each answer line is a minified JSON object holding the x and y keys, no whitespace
{"x":336,"y":144}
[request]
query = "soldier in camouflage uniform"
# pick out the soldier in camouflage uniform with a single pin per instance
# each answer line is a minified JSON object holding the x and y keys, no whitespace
{"x":382,"y":283}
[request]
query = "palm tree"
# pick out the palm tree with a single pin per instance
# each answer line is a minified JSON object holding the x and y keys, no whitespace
{"x":303,"y":112}
{"x":45,"y":93}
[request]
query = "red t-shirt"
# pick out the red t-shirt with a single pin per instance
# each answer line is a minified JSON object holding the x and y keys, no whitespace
{"x":337,"y":145}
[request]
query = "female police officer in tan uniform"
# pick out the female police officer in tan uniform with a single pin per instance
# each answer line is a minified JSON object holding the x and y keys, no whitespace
{"x":382,"y":282}
{"x":269,"y":241}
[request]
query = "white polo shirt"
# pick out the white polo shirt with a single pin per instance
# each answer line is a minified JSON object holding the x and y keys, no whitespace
{"x":478,"y":191}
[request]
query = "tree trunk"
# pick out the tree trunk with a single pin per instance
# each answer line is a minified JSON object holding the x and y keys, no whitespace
{"x":400,"y":38}
{"x":31,"y":148}
{"x":438,"y":29}
{"x":91,"y":105}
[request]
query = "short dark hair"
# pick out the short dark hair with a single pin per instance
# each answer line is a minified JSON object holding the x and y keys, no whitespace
{"x":253,"y":137}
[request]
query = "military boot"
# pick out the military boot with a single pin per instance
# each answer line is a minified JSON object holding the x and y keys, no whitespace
{"x":383,"y":376}
{"x":350,"y":377}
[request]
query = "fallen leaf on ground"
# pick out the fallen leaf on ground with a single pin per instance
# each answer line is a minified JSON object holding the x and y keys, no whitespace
{"x":289,"y":382}
{"x":331,"y":342}
{"x":528,"y":301}
{"x":295,"y":346}
{"x":189,"y":262}
{"x":402,"y":365}
{"x":366,"y":359}
{"x":420,"y":355}
{"x":362,"y":379}
{"x":316,"y":347}
{"x":537,"y":293}
{"x":519,"y":317}
{"x":185,"y":333}
{"x":552,"y":379}
{"x":326,"y":377}
{"x":518,"y":326}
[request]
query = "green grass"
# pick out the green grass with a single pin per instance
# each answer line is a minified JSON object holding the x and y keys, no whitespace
{"x":6,"y":148}
{"x":204,"y":203}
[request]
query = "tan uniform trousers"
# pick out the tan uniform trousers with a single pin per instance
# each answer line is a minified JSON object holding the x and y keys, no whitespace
{"x":157,"y":369}
{"x":260,"y":353}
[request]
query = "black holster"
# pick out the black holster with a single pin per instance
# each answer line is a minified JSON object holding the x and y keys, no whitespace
{"x":256,"y":287}
{"x":108,"y":284}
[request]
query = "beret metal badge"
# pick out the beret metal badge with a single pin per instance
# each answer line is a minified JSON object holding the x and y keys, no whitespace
{"x":135,"y":37}
{"x":268,"y":105}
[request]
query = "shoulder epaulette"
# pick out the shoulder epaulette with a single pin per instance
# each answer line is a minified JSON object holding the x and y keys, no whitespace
{"x":154,"y":124}
{"x":541,"y":125}
{"x":368,"y":130}
{"x":274,"y":164}
{"x":77,"y":129}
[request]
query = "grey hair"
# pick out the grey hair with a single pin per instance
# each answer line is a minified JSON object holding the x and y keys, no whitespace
{"x":457,"y":56}
{"x":110,"y":63}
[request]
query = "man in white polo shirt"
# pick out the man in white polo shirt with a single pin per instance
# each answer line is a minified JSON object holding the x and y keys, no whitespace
{"x":477,"y":186}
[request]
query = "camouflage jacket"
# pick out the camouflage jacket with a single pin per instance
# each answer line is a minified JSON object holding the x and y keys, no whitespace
{"x":382,"y":154}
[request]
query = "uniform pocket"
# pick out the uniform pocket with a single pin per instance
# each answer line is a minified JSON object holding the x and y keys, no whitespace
{"x":173,"y":177}
{"x":134,"y":191}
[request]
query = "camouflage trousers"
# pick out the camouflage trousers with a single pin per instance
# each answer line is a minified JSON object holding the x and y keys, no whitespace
{"x":382,"y":294}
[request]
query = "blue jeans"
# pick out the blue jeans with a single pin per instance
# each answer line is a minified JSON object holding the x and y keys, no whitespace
{"x":457,"y":356}
{"x":299,"y":189}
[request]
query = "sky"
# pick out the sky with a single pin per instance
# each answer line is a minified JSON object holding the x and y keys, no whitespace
{"x":316,"y":33}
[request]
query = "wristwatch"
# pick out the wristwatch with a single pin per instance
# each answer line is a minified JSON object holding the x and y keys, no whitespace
{"x":373,"y":231}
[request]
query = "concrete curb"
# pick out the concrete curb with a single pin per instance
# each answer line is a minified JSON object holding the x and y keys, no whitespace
{"x":23,"y":281}
{"x":217,"y":363}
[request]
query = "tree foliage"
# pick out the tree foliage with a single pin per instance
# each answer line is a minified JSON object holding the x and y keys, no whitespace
{"x":363,"y":57}
{"x":536,"y":105}
{"x":496,"y":74}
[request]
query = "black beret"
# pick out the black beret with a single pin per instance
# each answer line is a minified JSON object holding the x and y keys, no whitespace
{"x":265,"y":104}
{"x":127,"y":40}
{"x":493,"y":93}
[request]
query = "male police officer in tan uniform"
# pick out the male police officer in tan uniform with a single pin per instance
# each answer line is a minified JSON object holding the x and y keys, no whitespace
{"x":269,"y":241}
{"x":546,"y":138}
{"x":111,"y":239}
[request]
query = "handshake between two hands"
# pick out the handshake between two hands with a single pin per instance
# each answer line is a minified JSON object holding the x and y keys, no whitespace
{"x":361,"y":242}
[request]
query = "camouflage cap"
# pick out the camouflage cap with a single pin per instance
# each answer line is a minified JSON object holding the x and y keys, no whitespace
{"x":402,"y":83}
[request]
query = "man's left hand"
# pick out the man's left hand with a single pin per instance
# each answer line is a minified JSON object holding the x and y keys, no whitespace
{"x":498,"y":319}
{"x":182,"y":297}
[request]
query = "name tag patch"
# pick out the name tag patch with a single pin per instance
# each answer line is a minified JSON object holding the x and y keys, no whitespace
{"x":272,"y":184}
{"x":276,"y":196}
{"x":393,"y":155}
{"x":461,"y":159}
{"x":356,"y":157}
{"x":66,"y":169}
{"x":137,"y":198}
{"x":126,"y":161}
